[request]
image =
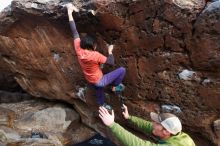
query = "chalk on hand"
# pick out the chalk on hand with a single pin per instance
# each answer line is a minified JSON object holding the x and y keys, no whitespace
{"x":93,"y":12}
{"x":71,"y":6}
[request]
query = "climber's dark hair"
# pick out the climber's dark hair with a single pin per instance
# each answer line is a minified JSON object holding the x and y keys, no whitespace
{"x":88,"y":42}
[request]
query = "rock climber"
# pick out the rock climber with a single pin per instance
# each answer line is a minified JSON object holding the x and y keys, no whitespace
{"x":90,"y":61}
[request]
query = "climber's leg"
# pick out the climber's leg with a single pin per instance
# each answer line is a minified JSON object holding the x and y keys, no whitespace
{"x":115,"y":77}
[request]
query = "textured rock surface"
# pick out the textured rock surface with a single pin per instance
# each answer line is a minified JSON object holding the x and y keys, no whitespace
{"x":155,"y":41}
{"x":54,"y":124}
{"x":7,"y":81}
{"x":205,"y":48}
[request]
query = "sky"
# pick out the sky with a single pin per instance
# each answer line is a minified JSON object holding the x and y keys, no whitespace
{"x":4,"y":3}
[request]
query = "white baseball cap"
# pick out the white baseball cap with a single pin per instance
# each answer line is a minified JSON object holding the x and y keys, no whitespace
{"x":169,"y":121}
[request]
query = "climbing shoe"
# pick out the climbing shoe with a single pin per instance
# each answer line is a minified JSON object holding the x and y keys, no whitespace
{"x":108,"y":107}
{"x":118,"y":88}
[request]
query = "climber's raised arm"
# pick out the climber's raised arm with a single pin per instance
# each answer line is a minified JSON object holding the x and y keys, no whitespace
{"x":70,"y":9}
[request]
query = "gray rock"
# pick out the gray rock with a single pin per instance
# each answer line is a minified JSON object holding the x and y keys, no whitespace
{"x":40,"y":123}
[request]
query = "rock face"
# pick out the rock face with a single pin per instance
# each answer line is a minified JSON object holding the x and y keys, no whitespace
{"x":39,"y":122}
{"x":7,"y":81}
{"x":155,"y":40}
{"x":205,"y":34}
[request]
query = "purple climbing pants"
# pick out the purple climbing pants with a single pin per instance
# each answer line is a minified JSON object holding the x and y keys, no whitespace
{"x":115,"y":78}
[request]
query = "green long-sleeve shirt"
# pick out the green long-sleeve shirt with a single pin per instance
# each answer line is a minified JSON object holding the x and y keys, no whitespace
{"x":128,"y":139}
